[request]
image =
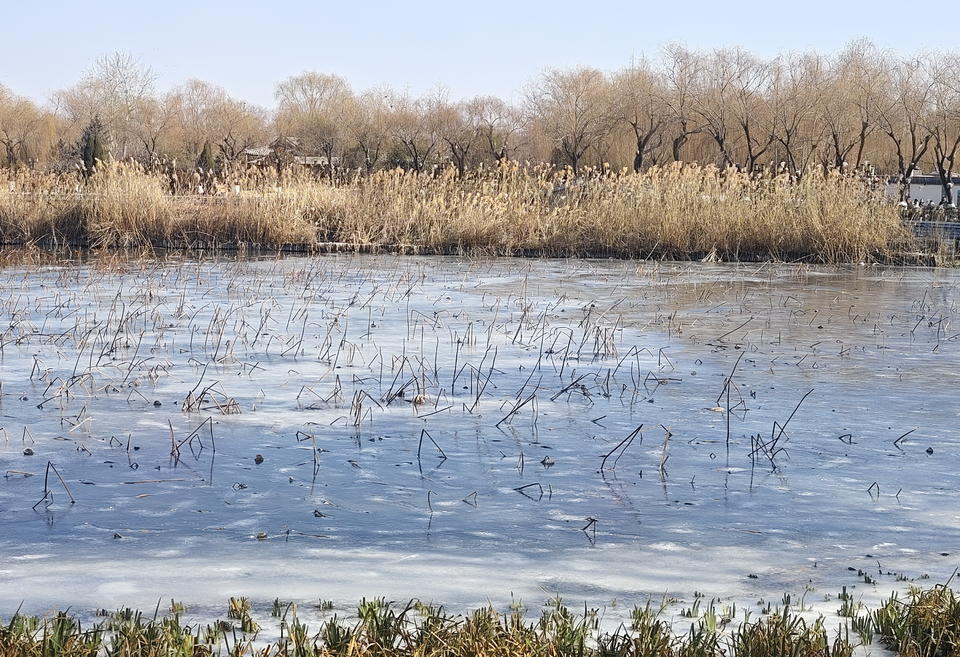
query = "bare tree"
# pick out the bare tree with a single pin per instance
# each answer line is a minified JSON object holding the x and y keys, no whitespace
{"x":714,"y":97}
{"x":574,"y":110}
{"x":240,"y":126}
{"x":944,"y":122}
{"x":460,"y":128}
{"x":154,"y":122}
{"x":25,"y":130}
{"x":115,"y":90}
{"x":796,"y":88}
{"x":369,"y":121}
{"x":205,"y":113}
{"x":850,"y":103}
{"x":314,"y":108}
{"x":194,"y":104}
{"x":903,"y":116}
{"x":500,"y":125}
{"x":640,"y":102}
{"x":681,"y":75}
{"x":416,"y":127}
{"x":841,"y":110}
{"x":753,"y":110}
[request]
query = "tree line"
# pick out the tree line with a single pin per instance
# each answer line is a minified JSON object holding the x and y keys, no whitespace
{"x":859,"y":107}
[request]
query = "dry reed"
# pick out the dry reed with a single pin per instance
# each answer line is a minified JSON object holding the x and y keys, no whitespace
{"x":666,"y":212}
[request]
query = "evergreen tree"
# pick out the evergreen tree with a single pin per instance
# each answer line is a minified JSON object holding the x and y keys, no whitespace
{"x":93,"y":145}
{"x":207,"y":161}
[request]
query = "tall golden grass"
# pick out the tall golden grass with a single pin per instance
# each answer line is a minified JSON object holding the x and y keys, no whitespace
{"x":674,"y":211}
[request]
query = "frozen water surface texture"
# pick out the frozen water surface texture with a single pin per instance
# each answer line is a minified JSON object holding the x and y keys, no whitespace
{"x":461,"y":430}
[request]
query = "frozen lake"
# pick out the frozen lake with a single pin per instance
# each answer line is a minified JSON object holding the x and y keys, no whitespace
{"x":341,"y":427}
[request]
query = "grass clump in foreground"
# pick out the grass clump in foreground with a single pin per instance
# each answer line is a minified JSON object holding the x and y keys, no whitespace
{"x":926,"y":624}
{"x":673,"y":211}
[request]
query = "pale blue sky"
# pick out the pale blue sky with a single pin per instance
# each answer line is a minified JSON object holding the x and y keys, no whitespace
{"x":490,"y":47}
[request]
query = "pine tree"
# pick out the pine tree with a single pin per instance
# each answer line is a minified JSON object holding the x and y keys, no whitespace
{"x":93,"y":145}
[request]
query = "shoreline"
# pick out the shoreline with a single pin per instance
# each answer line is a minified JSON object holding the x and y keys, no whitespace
{"x":923,"y":258}
{"x":923,"y":621}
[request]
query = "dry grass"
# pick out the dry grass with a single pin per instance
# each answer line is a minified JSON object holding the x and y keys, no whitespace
{"x":380,"y":629}
{"x":924,"y":625}
{"x":675,"y":212}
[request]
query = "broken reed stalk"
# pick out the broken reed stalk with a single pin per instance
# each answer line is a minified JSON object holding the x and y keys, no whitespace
{"x":174,"y":447}
{"x":515,"y":409}
{"x":523,"y":490}
{"x":624,"y":444}
{"x":896,"y":443}
{"x":726,"y":389}
{"x":769,"y":448}
{"x":47,"y":493}
{"x":424,"y":433}
{"x":783,"y":427}
{"x":664,"y":456}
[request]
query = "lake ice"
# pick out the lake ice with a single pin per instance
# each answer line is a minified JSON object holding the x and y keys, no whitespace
{"x":378,"y":392}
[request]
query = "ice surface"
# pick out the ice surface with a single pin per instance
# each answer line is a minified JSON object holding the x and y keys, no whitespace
{"x":352,"y":358}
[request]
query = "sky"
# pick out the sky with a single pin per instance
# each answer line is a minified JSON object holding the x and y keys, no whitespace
{"x":492,"y":47}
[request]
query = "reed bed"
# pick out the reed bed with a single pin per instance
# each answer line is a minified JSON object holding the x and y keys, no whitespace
{"x":674,"y":211}
{"x":923,"y":625}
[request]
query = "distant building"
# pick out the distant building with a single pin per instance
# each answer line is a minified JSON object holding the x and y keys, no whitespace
{"x":286,"y":150}
{"x":925,"y":188}
{"x":256,"y":155}
{"x":314,"y":161}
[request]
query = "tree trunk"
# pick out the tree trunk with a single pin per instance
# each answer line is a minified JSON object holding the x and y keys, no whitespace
{"x":677,"y":145}
{"x":946,"y":182}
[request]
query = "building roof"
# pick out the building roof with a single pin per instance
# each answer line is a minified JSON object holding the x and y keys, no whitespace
{"x":931,"y":179}
{"x":925,"y":179}
{"x":258,"y":154}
